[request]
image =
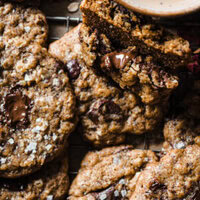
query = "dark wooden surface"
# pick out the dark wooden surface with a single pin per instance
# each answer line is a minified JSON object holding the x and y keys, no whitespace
{"x":187,"y":26}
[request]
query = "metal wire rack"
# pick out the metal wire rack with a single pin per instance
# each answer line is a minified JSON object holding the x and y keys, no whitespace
{"x":78,"y":148}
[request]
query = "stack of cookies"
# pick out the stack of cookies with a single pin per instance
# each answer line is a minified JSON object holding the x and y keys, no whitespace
{"x":118,"y":73}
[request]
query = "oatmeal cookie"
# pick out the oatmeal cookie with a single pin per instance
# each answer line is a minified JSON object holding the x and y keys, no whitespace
{"x":37,"y":105}
{"x":110,"y":173}
{"x":176,"y":176}
{"x":50,"y":182}
{"x":127,"y":28}
{"x":181,"y":132}
{"x":182,"y":128}
{"x":19,"y":27}
{"x":107,"y":112}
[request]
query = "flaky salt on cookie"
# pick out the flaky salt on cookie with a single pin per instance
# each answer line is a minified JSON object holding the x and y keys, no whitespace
{"x":110,"y":173}
{"x":37,"y":111}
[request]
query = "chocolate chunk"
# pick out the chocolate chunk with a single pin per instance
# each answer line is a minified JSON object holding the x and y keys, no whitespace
{"x":105,"y":194}
{"x":93,"y":115}
{"x":112,"y":108}
{"x":17,"y":106}
{"x":104,"y":107}
{"x":116,"y":60}
{"x":156,"y":187}
{"x":73,"y":69}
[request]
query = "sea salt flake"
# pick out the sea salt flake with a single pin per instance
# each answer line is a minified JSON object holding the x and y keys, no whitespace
{"x":48,"y":147}
{"x":27,"y":29}
{"x":31,"y":147}
{"x":116,"y":160}
{"x":116,"y":193}
{"x":11,"y":141}
{"x":56,"y":82}
{"x":37,"y":129}
{"x":103,"y":196}
{"x":123,"y":193}
{"x":50,"y":197}
{"x":54,"y":136}
{"x":122,"y":181}
{"x":180,"y":145}
{"x":3,"y":160}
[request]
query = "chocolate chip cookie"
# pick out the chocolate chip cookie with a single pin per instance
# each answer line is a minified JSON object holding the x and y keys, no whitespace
{"x":110,"y":173}
{"x":126,"y":28}
{"x":107,"y":112}
{"x":37,"y":105}
{"x":50,"y":182}
{"x":176,"y":176}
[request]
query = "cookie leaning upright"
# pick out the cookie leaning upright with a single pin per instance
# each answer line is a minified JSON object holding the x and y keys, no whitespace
{"x":126,"y":28}
{"x":37,"y":110}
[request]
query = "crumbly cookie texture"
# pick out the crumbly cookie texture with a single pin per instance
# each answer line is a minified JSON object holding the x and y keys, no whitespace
{"x":110,"y":173}
{"x":106,"y":111}
{"x":50,"y":182}
{"x":127,"y":28}
{"x":139,"y":74}
{"x":183,"y":128}
{"x":176,"y":176}
{"x":37,"y":105}
{"x":19,"y":27}
{"x":181,"y":132}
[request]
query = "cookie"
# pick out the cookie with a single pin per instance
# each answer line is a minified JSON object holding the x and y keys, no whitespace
{"x":110,"y":173}
{"x":19,"y":27}
{"x":106,"y":111}
{"x":37,"y":105}
{"x":181,"y":132}
{"x":50,"y":182}
{"x":175,"y":176}
{"x":182,"y":127}
{"x":126,"y":28}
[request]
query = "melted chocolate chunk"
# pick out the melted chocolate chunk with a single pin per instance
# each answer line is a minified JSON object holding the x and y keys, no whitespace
{"x":17,"y":106}
{"x":73,"y":69}
{"x":116,"y":60}
{"x":104,"y":107}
